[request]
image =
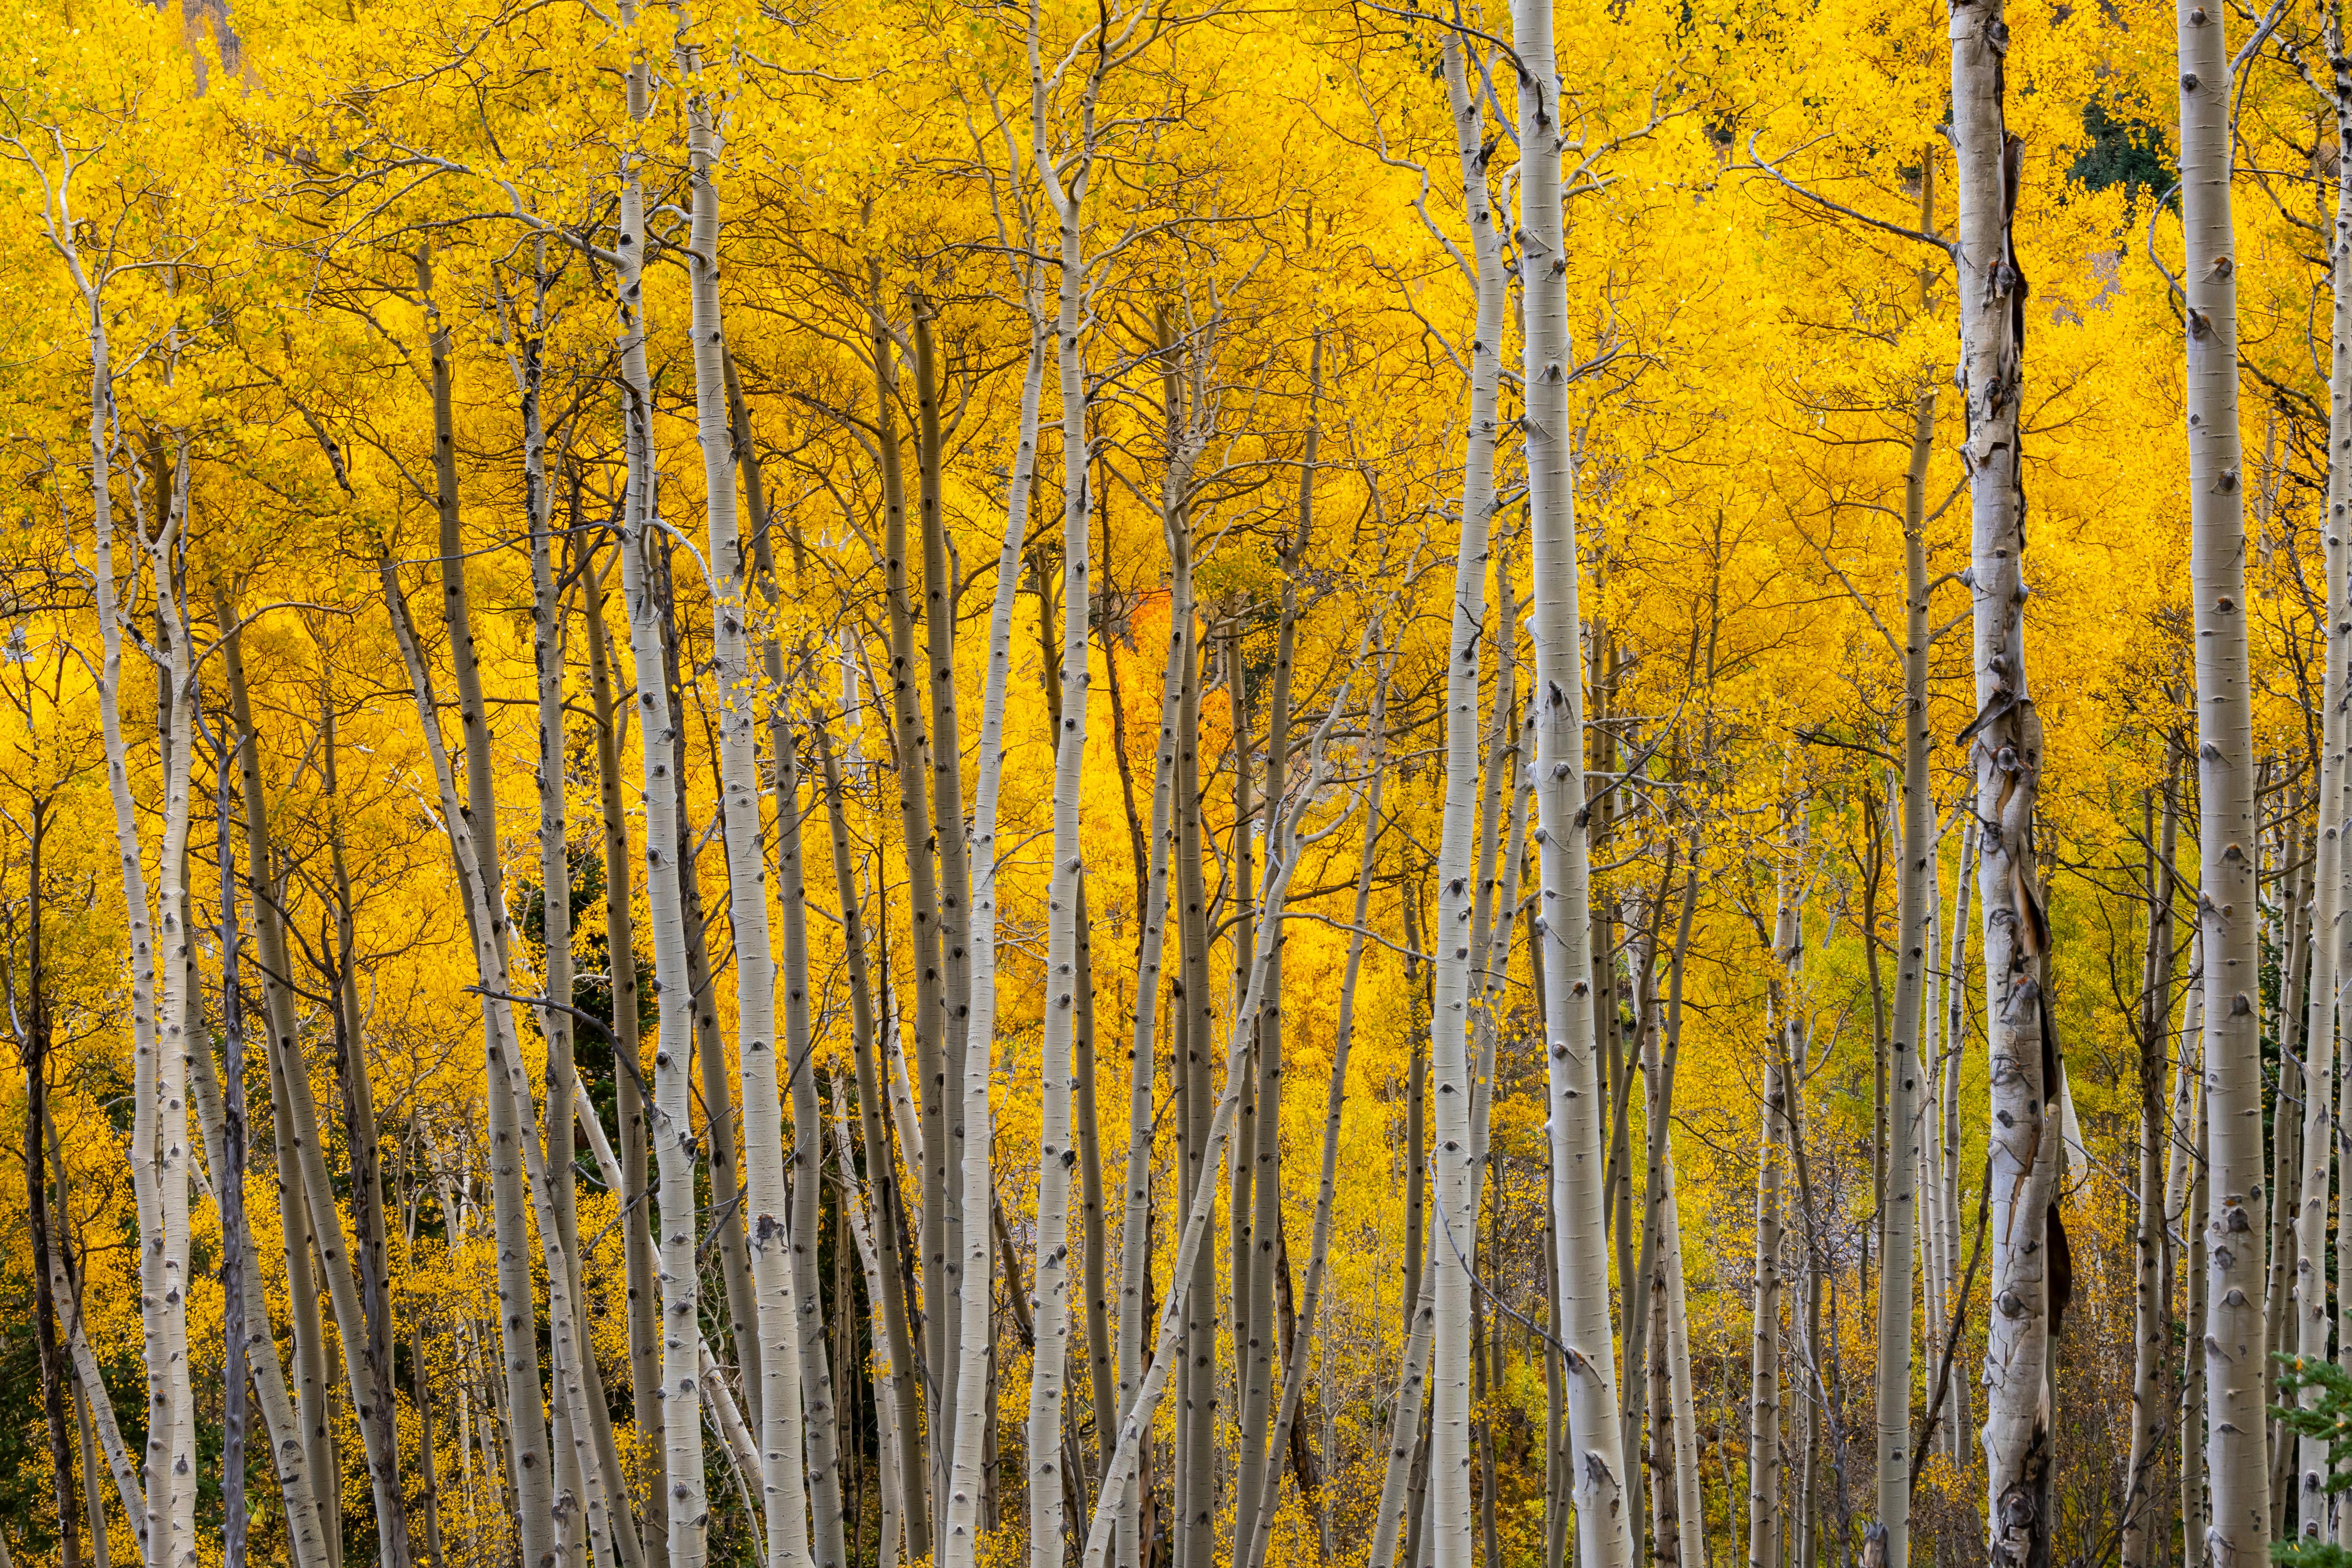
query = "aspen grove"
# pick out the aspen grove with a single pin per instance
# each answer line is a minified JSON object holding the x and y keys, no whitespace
{"x":1154,"y":783}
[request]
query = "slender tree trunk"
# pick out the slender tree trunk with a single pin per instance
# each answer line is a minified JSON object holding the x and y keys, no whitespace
{"x":954,"y":886}
{"x":1294,"y":1363}
{"x":1893,"y":1400}
{"x":1599,"y":1474}
{"x":2233,"y":1330}
{"x":1690,"y":1504}
{"x":881,"y":1171}
{"x":675,"y":1221}
{"x":1764,"y":1356}
{"x":628,"y":1069}
{"x":922,"y":897}
{"x":2152,"y":1307}
{"x":977,"y":1007}
{"x":35,"y":1039}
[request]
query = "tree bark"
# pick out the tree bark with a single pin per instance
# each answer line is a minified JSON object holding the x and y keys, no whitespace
{"x":2233,"y":1330}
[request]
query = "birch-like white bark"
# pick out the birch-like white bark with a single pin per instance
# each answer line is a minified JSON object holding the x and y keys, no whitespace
{"x":673,"y":1139}
{"x":1067,"y":200}
{"x":1597,"y":1469}
{"x":2233,"y":1330}
{"x":2332,"y":943}
{"x":797,"y":1458}
{"x":1452,"y":1184}
{"x":1904,"y":1070}
{"x":960,"y":1532}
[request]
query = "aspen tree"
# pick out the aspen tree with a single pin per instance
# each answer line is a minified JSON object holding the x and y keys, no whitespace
{"x":1690,"y":1504}
{"x":796,"y":1444}
{"x":621,"y":959}
{"x":1065,"y":195}
{"x":1598,"y":1471}
{"x":1253,"y":1547}
{"x":977,"y":1009}
{"x":955,"y":893}
{"x":1898,"y":1216}
{"x":675,"y":1220}
{"x":1764,"y":1355}
{"x":2328,"y":1080}
{"x":2152,"y":1240}
{"x":2233,"y":1329}
{"x":2006,"y":757}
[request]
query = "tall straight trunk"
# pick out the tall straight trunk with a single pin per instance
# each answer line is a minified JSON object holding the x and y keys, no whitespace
{"x":1661,"y":1052}
{"x":676,"y":1222}
{"x":2234,"y":1330}
{"x":362,"y":1144}
{"x":977,"y":1007}
{"x":34,"y":1040}
{"x":306,"y":1530}
{"x":1764,"y":1353}
{"x":2151,"y":1237}
{"x":1904,"y":1070}
{"x":1960,"y":1427}
{"x":1045,"y":1430}
{"x":881,"y":1170}
{"x":730,"y":1236}
{"x":915,"y":832}
{"x":1258,"y":1391}
{"x":1252,"y":1553}
{"x":1195,"y":1478}
{"x":946,"y":760}
{"x":1454,"y":1174}
{"x":1286,"y":845}
{"x":277,"y":1019}
{"x":1241,"y":705}
{"x":2297,"y":857}
{"x":2006,"y":758}
{"x":2196,"y":1537}
{"x":1135,"y":1235}
{"x":628,"y":1068}
{"x":1599,"y":1476}
{"x":2332,"y":962}
{"x":2312,"y":1317}
{"x":1690,"y":1502}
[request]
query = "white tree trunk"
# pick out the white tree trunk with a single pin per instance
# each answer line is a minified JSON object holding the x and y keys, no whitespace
{"x":1453,"y":1184}
{"x":959,"y":1539}
{"x":1903,"y":1071}
{"x":1598,"y":1466}
{"x":2233,"y":1330}
{"x":1045,"y":1446}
